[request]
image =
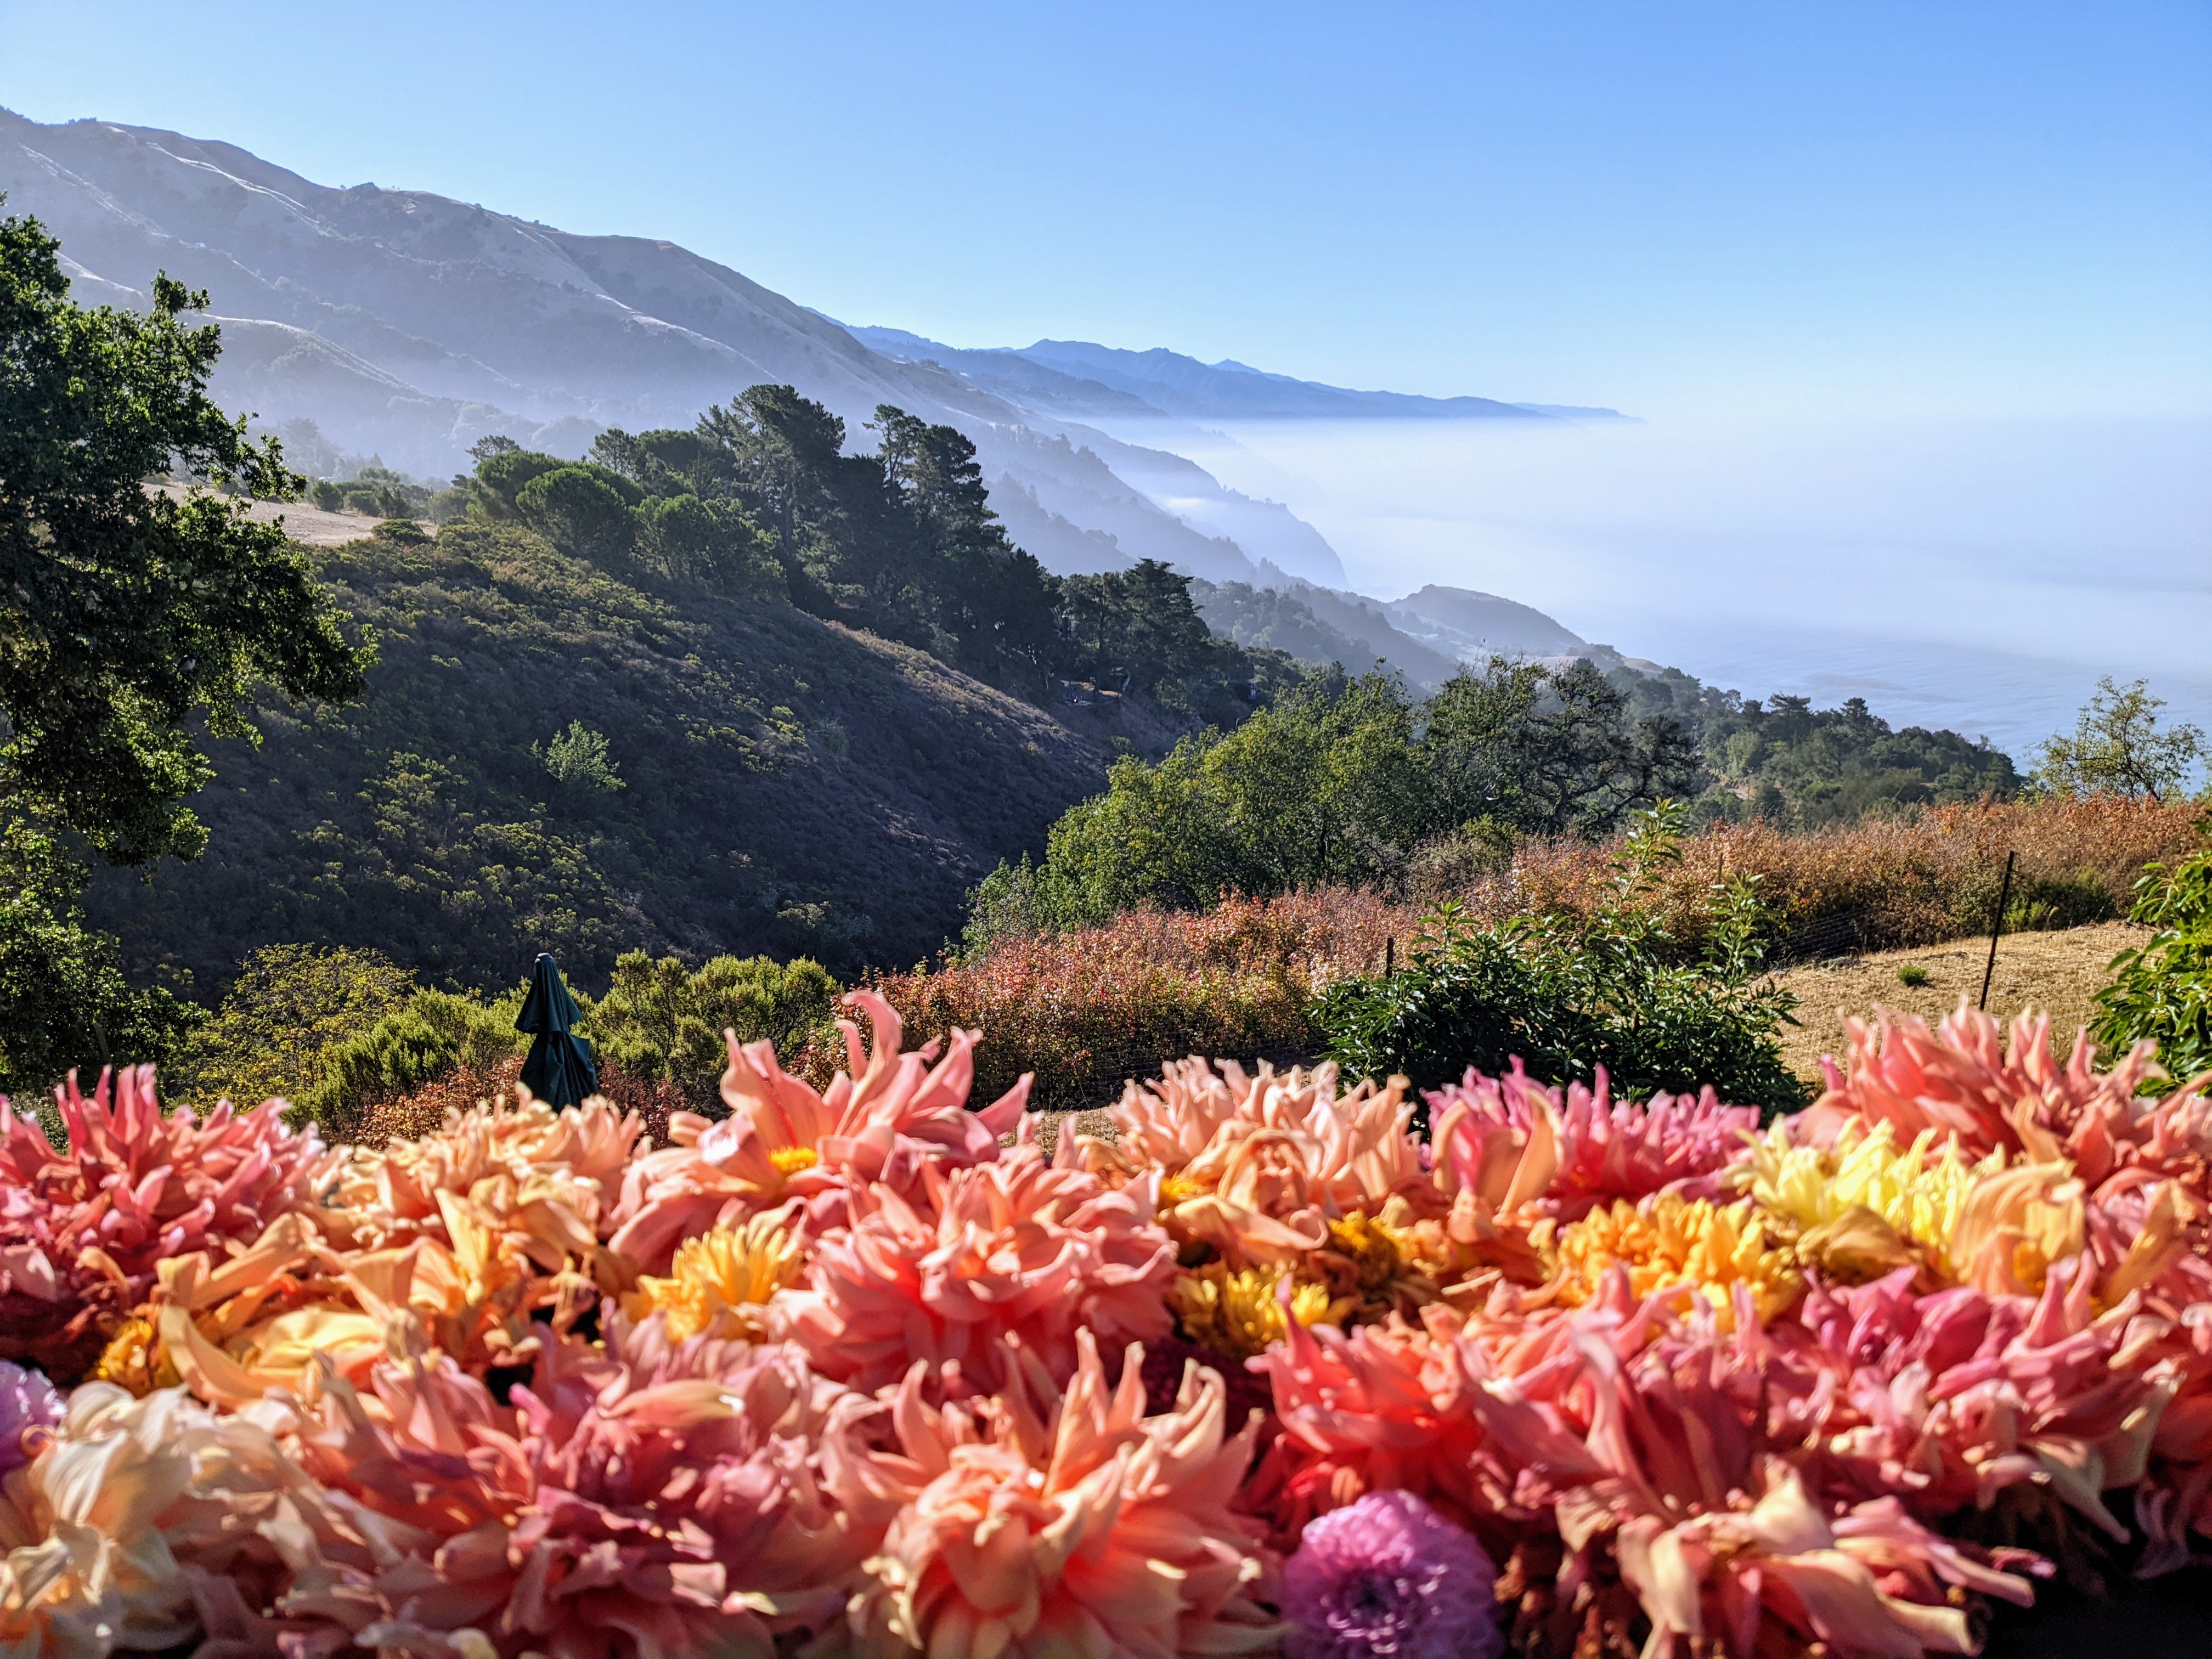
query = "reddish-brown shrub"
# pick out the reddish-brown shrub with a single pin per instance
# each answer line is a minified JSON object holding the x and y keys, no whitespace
{"x":420,"y":1111}
{"x":1086,"y":1010}
{"x":1880,"y":883}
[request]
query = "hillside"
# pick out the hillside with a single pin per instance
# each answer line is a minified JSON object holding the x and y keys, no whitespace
{"x":2057,"y":973}
{"x":789,"y":785}
{"x":408,"y":325}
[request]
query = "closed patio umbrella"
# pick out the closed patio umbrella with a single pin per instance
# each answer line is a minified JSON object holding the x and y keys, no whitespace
{"x":558,"y":1069}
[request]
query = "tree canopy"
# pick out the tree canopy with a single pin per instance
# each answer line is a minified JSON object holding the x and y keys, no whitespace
{"x":135,"y":620}
{"x":126,"y":611}
{"x":2116,"y":748}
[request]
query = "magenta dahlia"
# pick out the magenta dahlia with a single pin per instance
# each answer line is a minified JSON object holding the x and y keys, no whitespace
{"x":1387,"y":1575}
{"x":28,"y":1401}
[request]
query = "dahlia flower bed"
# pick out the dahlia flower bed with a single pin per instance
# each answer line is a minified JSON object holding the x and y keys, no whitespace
{"x":866,"y":1372}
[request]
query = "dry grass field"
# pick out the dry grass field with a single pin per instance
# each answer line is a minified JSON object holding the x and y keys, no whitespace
{"x":2057,"y":973}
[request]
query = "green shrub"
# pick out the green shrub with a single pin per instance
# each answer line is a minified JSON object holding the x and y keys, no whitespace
{"x":2044,"y":903}
{"x":1913,"y":974}
{"x":661,"y":1020}
{"x":577,"y":759}
{"x":289,"y":1008}
{"x":421,"y":1040}
{"x":1568,"y":995}
{"x":2162,"y":991}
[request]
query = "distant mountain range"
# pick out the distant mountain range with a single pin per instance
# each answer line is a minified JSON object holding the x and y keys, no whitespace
{"x":407,"y":325}
{"x":1076,"y":378}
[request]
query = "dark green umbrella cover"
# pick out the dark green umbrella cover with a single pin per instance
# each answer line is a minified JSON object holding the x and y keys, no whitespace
{"x":558,"y":1069}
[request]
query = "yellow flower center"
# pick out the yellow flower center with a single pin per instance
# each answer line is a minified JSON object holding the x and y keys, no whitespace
{"x":1179,"y":1189}
{"x":136,"y":1360}
{"x":790,"y":1160}
{"x":718,"y":1280}
{"x":1375,"y":1250}
{"x":1964,"y":1219}
{"x":1237,"y":1314}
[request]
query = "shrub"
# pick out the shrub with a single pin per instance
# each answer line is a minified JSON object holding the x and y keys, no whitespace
{"x":1913,"y":975}
{"x":2162,"y":991}
{"x":1880,"y":885}
{"x":426,"y":1037}
{"x":662,"y":1022}
{"x":2042,"y":904}
{"x":1087,"y":1010}
{"x":423,"y":1108}
{"x":1568,"y":995}
{"x":578,"y":760}
{"x":291,"y":1006}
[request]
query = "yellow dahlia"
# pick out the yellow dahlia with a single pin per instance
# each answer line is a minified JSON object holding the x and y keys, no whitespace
{"x":1238,"y":1312}
{"x":1993,"y":1222}
{"x":1668,"y":1240}
{"x":721,"y":1280}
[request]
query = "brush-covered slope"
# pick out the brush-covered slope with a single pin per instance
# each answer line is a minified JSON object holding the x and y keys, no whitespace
{"x":787,"y":785}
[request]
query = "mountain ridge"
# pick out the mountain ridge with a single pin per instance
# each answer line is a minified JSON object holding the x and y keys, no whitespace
{"x":413,"y":325}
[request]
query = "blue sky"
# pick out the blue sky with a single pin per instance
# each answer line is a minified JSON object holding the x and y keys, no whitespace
{"x":1954,"y":209}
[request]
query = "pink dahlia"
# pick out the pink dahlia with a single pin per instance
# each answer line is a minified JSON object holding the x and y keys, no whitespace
{"x":640,"y":1500}
{"x":1387,"y":1575}
{"x":575,"y":1157}
{"x":28,"y":1401}
{"x":1562,"y":1153}
{"x":1946,"y":1400}
{"x":1018,"y":1247}
{"x":1961,"y":1079}
{"x":1036,"y":1525}
{"x":83,"y":1229}
{"x":1255,"y":1168}
{"x":1383,"y":1407}
{"x":891,"y":1115}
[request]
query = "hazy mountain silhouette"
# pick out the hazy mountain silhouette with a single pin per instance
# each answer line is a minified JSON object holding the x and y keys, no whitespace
{"x":1077,"y":378}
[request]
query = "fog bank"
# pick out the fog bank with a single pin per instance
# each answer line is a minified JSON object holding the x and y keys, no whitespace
{"x":1978,"y":576}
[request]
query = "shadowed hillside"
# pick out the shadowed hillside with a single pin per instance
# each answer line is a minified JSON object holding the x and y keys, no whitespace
{"x":786,"y":784}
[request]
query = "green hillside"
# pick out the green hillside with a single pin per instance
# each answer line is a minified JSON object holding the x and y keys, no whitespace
{"x":774,"y":781}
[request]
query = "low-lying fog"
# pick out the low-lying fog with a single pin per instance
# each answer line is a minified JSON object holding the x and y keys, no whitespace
{"x":1975,"y":575}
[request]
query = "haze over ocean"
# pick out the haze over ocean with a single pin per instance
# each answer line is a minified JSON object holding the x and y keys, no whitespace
{"x":1973,"y":574}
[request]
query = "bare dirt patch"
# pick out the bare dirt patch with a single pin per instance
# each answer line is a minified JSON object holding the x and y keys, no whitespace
{"x":2057,"y":973}
{"x":309,"y":525}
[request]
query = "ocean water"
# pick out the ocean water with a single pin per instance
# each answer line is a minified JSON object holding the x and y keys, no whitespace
{"x":1978,"y":575}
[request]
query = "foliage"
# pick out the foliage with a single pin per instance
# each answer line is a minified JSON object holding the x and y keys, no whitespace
{"x":289,"y":1008}
{"x":661,"y":1020}
{"x":426,"y":1037}
{"x":1912,"y":976}
{"x":1086,"y":1010}
{"x":2117,"y":749}
{"x":1546,"y":751}
{"x":132,"y":621}
{"x":127,"y":613}
{"x":1138,"y":632}
{"x":2161,"y":990}
{"x":65,"y":1003}
{"x":1567,"y":995}
{"x":576,"y":508}
{"x":1880,"y":883}
{"x":577,"y":759}
{"x":1801,"y":767}
{"x":1340,"y":780}
{"x":375,"y":490}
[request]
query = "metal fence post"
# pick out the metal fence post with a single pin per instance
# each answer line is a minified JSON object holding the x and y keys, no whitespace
{"x":1997,"y":927}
